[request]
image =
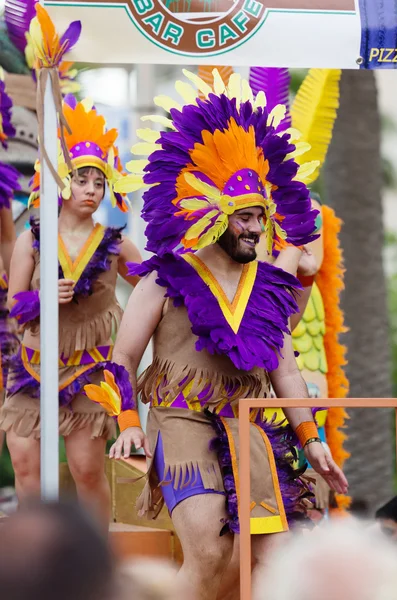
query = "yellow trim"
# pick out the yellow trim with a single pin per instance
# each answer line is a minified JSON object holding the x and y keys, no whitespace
{"x":73,"y":361}
{"x":74,"y":270}
{"x":253,"y":504}
{"x":74,"y":376}
{"x":260,"y":525}
{"x":31,"y":371}
{"x":232,"y":311}
{"x":233,"y":455}
{"x":276,"y":485}
{"x":268,"y":507}
{"x":89,"y":161}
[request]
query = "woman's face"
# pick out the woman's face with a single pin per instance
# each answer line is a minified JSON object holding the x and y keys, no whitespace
{"x":88,"y":189}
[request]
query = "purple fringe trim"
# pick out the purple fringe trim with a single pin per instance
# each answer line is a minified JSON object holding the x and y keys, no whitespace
{"x":27,"y":306}
{"x":9,"y":341}
{"x":99,"y":263}
{"x":293,"y":489}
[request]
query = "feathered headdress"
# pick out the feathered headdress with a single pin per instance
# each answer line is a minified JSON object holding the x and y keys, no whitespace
{"x":18,"y":16}
{"x":223,"y":153}
{"x":89,"y":144}
{"x":8,"y":174}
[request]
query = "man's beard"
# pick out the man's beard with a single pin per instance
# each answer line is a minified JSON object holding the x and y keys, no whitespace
{"x":231,"y":244}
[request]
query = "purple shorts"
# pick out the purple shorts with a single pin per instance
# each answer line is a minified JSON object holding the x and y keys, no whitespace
{"x":173,"y":496}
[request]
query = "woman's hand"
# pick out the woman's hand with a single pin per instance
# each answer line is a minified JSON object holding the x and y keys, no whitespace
{"x":65,"y":290}
{"x":132,"y":436}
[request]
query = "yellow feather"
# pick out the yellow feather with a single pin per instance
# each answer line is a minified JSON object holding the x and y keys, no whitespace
{"x":1,"y":74}
{"x":300,"y":148}
{"x":203,"y":87}
{"x":234,"y":87}
{"x":314,"y":112}
{"x":87,"y":104}
{"x":188,"y":94}
{"x":219,"y":84}
{"x":113,"y":398}
{"x":294,"y":134}
{"x":148,"y":135}
{"x":193,"y":204}
{"x":129,"y":183}
{"x":160,"y":120}
{"x":306,"y":170}
{"x":276,"y":115}
{"x":213,"y":234}
{"x":136,"y":165}
{"x":246,"y":92}
{"x":197,"y":229}
{"x":144,"y":148}
{"x":260,"y":100}
{"x":206,"y":190}
{"x":166,"y":103}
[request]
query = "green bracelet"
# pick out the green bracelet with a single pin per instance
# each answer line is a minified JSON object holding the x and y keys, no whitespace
{"x":312,"y":440}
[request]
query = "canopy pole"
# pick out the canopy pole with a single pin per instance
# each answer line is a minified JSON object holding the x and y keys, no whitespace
{"x":49,"y":346}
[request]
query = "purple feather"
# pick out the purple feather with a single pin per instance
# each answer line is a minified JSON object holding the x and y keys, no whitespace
{"x":71,"y":36}
{"x":6,"y":127}
{"x":8,"y":184}
{"x":17,"y":16}
{"x":122,"y":380}
{"x":259,"y":340}
{"x":275,"y":83}
{"x":165,"y":231}
{"x":27,"y":306}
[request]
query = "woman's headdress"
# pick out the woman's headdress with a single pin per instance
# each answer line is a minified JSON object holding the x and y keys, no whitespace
{"x":89,"y":144}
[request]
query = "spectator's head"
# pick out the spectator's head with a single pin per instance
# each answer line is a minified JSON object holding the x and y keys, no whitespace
{"x":144,"y":579}
{"x":341,"y":559}
{"x":387,"y":517}
{"x":53,"y":551}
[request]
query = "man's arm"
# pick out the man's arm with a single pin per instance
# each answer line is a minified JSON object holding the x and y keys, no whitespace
{"x":141,"y":317}
{"x":288,"y":382}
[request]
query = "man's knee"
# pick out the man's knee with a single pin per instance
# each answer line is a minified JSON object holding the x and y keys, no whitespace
{"x":213,"y":559}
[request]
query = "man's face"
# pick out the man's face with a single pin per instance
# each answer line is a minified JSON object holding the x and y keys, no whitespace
{"x":242,"y":235}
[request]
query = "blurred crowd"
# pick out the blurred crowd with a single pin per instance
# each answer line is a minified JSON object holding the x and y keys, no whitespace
{"x":55,"y":551}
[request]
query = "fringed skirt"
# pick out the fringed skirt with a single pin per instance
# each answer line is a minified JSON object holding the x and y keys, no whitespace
{"x":199,"y":453}
{"x":21,"y":410}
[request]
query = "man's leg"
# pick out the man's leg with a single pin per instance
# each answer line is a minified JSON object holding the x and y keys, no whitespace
{"x":86,"y":460}
{"x":206,"y":554}
{"x":261,"y":547}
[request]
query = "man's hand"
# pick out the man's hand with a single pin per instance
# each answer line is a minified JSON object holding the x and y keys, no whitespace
{"x":129,"y":437}
{"x":307,"y":266}
{"x":65,"y":290}
{"x":325,"y":466}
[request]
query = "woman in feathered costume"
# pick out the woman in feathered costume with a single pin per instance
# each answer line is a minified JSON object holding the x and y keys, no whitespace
{"x":90,"y":258}
{"x":8,"y":185}
{"x":219,"y":321}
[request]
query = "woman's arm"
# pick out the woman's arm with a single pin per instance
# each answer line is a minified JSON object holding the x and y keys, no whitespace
{"x":128,"y":253}
{"x":21,"y":267}
{"x":8,"y":237}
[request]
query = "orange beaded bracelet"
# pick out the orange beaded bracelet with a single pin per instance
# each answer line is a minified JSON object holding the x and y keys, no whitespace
{"x":128,"y":418}
{"x":306,"y":431}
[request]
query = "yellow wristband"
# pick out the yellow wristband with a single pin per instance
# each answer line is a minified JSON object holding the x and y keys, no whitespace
{"x":128,"y":418}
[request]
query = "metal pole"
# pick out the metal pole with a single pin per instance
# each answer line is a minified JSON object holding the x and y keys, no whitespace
{"x":49,"y":346}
